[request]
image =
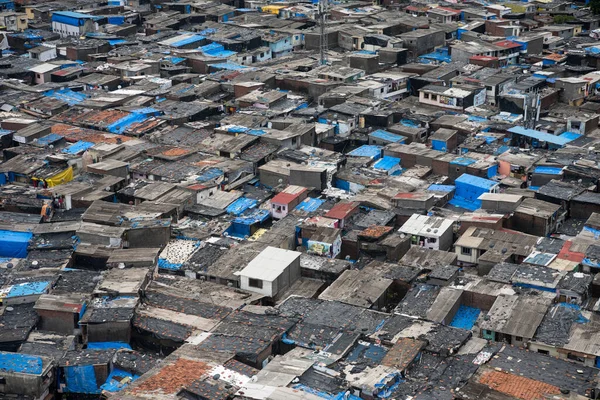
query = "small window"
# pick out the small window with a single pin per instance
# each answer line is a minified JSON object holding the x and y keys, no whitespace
{"x":434,"y":97}
{"x":425,"y":95}
{"x":546,"y":352}
{"x":518,"y":338}
{"x":255,"y":283}
{"x":431,"y":240}
{"x":465,"y":250}
{"x":294,"y":140}
{"x":2,"y":380}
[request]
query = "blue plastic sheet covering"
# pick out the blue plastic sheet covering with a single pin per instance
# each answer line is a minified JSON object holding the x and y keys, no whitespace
{"x":108,"y":345}
{"x":21,"y":363}
{"x":49,"y":139}
{"x":4,"y":132}
{"x":118,"y":380}
{"x":548,"y":170}
{"x":136,"y":117}
{"x":78,"y":147}
{"x":208,"y":31}
{"x":252,"y":217}
{"x":465,"y":161}
{"x":409,"y":123}
{"x":387,"y":136}
{"x":28,"y":289}
{"x":116,"y":20}
{"x":240,"y":205}
{"x":210,"y":174}
{"x":387,"y":163}
{"x":441,"y":188}
{"x":188,"y":40}
{"x":570,"y":135}
{"x":465,"y":317}
{"x":14,"y":244}
{"x":309,"y":204}
{"x":81,"y":379}
{"x":370,"y":151}
{"x":164,"y":264}
{"x":67,"y":95}
{"x":175,"y":60}
{"x":114,"y":42}
{"x":541,"y":136}
{"x":475,"y":118}
{"x":228,"y":66}
{"x":237,"y":129}
{"x":216,"y":50}
{"x":256,"y":132}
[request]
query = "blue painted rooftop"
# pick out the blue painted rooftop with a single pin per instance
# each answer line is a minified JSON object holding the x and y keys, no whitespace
{"x":387,"y":163}
{"x":473,"y":180}
{"x":21,"y":363}
{"x":371,"y":151}
{"x":309,"y":204}
{"x":544,"y":137}
{"x":548,"y":170}
{"x":387,"y":136}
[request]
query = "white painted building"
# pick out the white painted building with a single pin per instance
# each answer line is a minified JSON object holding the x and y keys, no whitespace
{"x":271,"y":272}
{"x":429,"y":232}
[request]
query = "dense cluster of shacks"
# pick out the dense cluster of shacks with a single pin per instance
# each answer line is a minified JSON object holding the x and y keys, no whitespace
{"x":213,"y":200}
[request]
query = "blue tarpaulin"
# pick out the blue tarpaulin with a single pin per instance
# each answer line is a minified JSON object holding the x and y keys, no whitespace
{"x":548,"y":170}
{"x":188,"y":40}
{"x":28,"y":289}
{"x":136,"y":117}
{"x":114,"y":42}
{"x":78,"y":147}
{"x":228,"y":66}
{"x":164,"y":264}
{"x":241,"y":227}
{"x":67,"y":95}
{"x":370,"y":151}
{"x":256,"y":132}
{"x":49,"y":139}
{"x":216,"y":50}
{"x":387,"y":163}
{"x":387,"y":136}
{"x":309,"y":204}
{"x":209,"y":174}
{"x":21,"y":363}
{"x":116,"y":20}
{"x":441,"y":188}
{"x":468,"y":189}
{"x":540,"y":136}
{"x":465,"y":317}
{"x":240,"y":205}
{"x":81,"y":379}
{"x":14,"y":244}
{"x":117,"y":380}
